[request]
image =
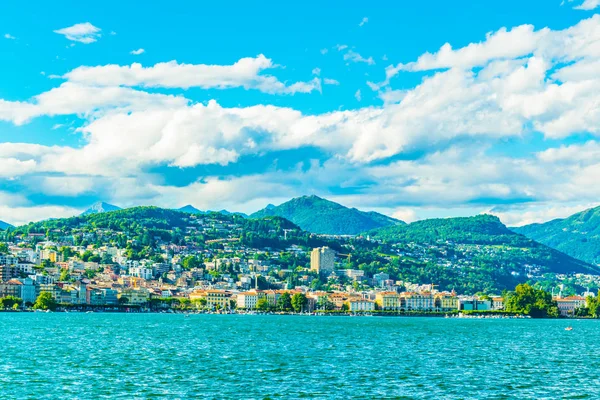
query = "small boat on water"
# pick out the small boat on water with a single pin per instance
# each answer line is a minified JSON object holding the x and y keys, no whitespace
{"x":569,"y":328}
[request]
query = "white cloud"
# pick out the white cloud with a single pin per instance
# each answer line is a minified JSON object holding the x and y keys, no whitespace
{"x":83,"y":33}
{"x":137,"y":52}
{"x":21,"y":215}
{"x":72,"y":98}
{"x":328,"y":81}
{"x":405,"y":214}
{"x":245,"y":73}
{"x":341,"y":47}
{"x":548,"y":86}
{"x":355,"y":57}
{"x":9,"y":36}
{"x":357,"y":95}
{"x":324,"y":51}
{"x":363,"y":21}
{"x":316,"y":71}
{"x":588,"y":5}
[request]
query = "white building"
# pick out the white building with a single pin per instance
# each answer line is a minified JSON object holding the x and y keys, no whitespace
{"x":322,"y":259}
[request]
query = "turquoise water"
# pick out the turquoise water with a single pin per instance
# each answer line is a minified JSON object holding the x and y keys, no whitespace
{"x":234,"y":356}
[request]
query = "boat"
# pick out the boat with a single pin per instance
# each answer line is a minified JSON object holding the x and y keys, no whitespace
{"x":569,"y":328}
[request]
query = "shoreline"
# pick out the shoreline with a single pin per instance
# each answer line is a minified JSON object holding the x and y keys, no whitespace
{"x":449,"y":315}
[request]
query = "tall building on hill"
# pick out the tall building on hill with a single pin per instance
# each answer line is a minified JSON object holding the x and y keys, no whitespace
{"x":322,"y":259}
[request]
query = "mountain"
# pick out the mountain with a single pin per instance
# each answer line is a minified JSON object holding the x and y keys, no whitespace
{"x":100,"y":207}
{"x":577,"y":235}
{"x":225,"y":212}
{"x":473,"y":253}
{"x":190,"y":209}
{"x":5,"y":225}
{"x":318,"y":215}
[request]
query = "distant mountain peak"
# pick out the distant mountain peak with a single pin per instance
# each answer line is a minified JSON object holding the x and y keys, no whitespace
{"x":190,"y":209}
{"x":100,"y":207}
{"x":318,"y":215}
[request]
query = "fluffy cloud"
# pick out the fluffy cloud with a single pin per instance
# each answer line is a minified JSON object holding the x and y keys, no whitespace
{"x":83,"y":33}
{"x":9,"y":36}
{"x":365,"y":20}
{"x":246,"y":73}
{"x":588,"y":5}
{"x":73,"y":98}
{"x":429,"y":146}
{"x":137,"y":52}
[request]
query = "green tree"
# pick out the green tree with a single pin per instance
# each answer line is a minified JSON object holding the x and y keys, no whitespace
{"x":45,"y":301}
{"x":263,"y":304}
{"x":64,"y":275}
{"x":593,"y":307}
{"x":10,"y":302}
{"x":3,"y":248}
{"x":284,"y":303}
{"x":190,"y":262}
{"x":528,"y":300}
{"x":299,"y":301}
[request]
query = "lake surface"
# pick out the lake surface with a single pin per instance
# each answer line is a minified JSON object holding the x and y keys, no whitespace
{"x":256,"y":357}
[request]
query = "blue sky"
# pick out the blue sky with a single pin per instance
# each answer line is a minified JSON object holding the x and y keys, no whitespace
{"x":414,"y":109}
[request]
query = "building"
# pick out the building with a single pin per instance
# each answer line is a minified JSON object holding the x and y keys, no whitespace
{"x":473,"y":304}
{"x":7,"y":272}
{"x":445,"y":301}
{"x":28,"y":291}
{"x":214,"y":298}
{"x":11,"y":287}
{"x":110,"y":296}
{"x":249,"y":300}
{"x":417,"y":301}
{"x":568,"y":305}
{"x":388,"y":301}
{"x":322,"y":259}
{"x":497,"y":303}
{"x":139,"y":296}
{"x":360,"y":305}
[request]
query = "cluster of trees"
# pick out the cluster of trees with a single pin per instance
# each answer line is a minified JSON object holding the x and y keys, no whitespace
{"x":286,"y":302}
{"x":591,"y":309}
{"x":10,"y":302}
{"x":527,"y":300}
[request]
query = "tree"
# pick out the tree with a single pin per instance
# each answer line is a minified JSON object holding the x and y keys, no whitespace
{"x":299,"y":300}
{"x":263,"y":304}
{"x":325,"y":304}
{"x":64,"y":275}
{"x":191,"y":262}
{"x":123,"y":300}
{"x":10,"y":302}
{"x":3,"y":248}
{"x":527,"y":300}
{"x":45,"y":301}
{"x":592,"y":307}
{"x":284,"y":303}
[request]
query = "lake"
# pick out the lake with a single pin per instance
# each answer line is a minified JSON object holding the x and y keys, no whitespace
{"x":60,"y":355}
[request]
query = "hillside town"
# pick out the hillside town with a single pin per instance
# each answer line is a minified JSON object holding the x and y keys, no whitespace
{"x":226,"y":278}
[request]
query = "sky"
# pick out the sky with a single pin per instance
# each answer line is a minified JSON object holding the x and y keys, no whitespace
{"x":414,"y":109}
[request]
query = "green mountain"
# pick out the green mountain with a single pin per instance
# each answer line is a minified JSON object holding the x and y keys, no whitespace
{"x":149,"y":226}
{"x":577,"y":235}
{"x":317,"y":215}
{"x":473,"y":253}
